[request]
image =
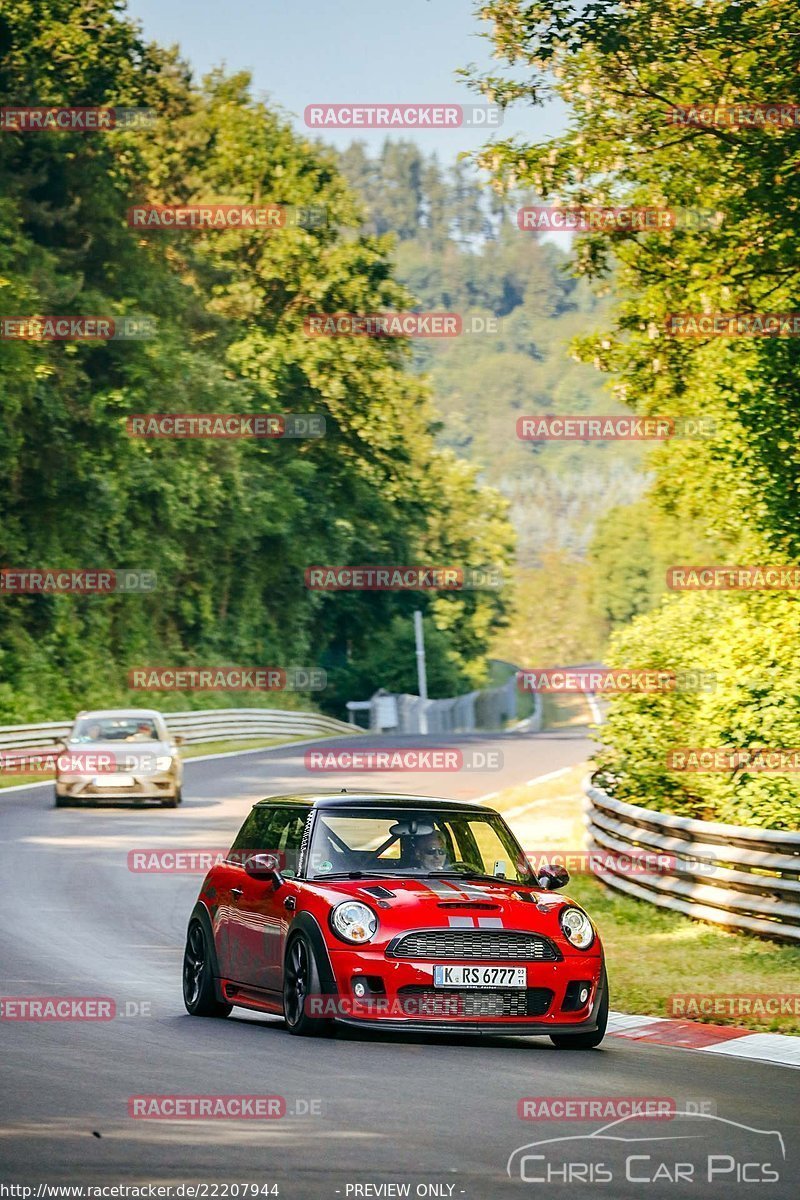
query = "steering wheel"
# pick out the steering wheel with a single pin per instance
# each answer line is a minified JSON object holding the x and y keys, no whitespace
{"x":459,"y":865}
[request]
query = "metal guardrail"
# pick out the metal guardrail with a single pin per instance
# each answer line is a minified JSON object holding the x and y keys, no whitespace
{"x":484,"y":709}
{"x":199,"y":725}
{"x":742,"y":878}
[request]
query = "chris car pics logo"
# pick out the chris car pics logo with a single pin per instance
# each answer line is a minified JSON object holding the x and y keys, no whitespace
{"x":698,"y":1148}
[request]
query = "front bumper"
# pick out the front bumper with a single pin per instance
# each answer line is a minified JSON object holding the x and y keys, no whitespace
{"x":161,"y":786}
{"x":410,"y":1000}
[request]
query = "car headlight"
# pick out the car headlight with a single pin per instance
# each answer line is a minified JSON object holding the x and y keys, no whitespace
{"x":354,"y":922}
{"x":163,"y":762}
{"x":577,"y":928}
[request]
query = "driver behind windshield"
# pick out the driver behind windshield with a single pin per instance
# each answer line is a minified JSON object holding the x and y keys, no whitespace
{"x":430,"y":852}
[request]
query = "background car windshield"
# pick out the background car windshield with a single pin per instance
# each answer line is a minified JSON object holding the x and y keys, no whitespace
{"x":414,"y":842}
{"x":115,"y":729}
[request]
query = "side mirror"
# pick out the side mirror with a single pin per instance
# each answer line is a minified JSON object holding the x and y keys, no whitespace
{"x":263,"y":866}
{"x":552,"y":877}
{"x":179,"y":739}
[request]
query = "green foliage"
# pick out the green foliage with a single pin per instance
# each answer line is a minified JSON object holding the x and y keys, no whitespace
{"x":632,"y":548}
{"x":735,"y":495}
{"x":461,"y":251}
{"x":228,"y":527}
{"x":621,"y":67}
{"x":554,"y":622}
{"x":748,"y":643}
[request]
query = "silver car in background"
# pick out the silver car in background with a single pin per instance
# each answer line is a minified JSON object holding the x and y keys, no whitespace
{"x":119,"y":754}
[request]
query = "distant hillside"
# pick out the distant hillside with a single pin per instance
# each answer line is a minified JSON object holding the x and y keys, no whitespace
{"x":459,"y":249}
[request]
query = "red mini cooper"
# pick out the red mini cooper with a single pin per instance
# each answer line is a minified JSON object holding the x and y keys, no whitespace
{"x":394,"y":912}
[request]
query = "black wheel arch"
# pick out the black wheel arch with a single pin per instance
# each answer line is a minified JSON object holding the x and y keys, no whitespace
{"x":201,"y":914}
{"x":305,"y":923}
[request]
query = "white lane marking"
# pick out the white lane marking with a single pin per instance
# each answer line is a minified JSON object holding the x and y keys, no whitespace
{"x":258,"y":749}
{"x":545,"y":778}
{"x":528,"y":783}
{"x":25,"y":787}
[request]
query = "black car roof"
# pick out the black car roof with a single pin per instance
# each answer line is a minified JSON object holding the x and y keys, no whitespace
{"x":344,"y":799}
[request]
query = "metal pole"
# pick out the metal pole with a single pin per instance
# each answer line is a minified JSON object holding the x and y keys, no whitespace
{"x":422,"y":677}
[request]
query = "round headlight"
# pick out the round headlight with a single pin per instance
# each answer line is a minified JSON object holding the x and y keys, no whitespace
{"x":577,"y":928}
{"x":354,"y":922}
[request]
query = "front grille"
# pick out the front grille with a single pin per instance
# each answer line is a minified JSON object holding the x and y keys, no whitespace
{"x":486,"y":944}
{"x":424,"y":1002}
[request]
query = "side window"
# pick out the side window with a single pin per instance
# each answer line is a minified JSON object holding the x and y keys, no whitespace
{"x":276,"y":831}
{"x":253,"y":833}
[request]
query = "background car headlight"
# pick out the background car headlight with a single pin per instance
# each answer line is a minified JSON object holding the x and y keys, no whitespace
{"x":577,"y":928}
{"x":354,"y":922}
{"x":163,"y":762}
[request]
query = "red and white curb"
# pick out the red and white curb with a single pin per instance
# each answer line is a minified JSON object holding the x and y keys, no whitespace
{"x":730,"y":1040}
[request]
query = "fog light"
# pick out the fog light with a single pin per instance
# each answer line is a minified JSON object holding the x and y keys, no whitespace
{"x":584,"y":995}
{"x":359,"y":989}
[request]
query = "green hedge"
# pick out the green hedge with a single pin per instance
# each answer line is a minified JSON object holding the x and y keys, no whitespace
{"x":751,"y":643}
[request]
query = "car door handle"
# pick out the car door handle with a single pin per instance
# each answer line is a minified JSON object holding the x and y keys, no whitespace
{"x":237,"y":892}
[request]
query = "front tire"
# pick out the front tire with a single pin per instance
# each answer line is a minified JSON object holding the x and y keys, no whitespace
{"x":585,"y":1041}
{"x":301,"y":980}
{"x":61,"y":801}
{"x":199,"y":994}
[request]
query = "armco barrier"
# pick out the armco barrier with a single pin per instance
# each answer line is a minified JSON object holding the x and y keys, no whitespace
{"x":486,"y":709}
{"x":200,"y":725}
{"x":743,"y":878}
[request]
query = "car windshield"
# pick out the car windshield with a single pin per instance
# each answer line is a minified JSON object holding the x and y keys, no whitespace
{"x":115,"y":729}
{"x":416,"y":842}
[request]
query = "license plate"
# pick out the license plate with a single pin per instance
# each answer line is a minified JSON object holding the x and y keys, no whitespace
{"x":114,"y":781}
{"x":480,"y":977}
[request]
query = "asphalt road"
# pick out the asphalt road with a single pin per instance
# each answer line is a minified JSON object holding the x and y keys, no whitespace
{"x":437,"y":1114}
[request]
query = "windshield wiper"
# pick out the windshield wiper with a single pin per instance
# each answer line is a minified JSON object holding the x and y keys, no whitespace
{"x":470,"y":875}
{"x":343,"y":875}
